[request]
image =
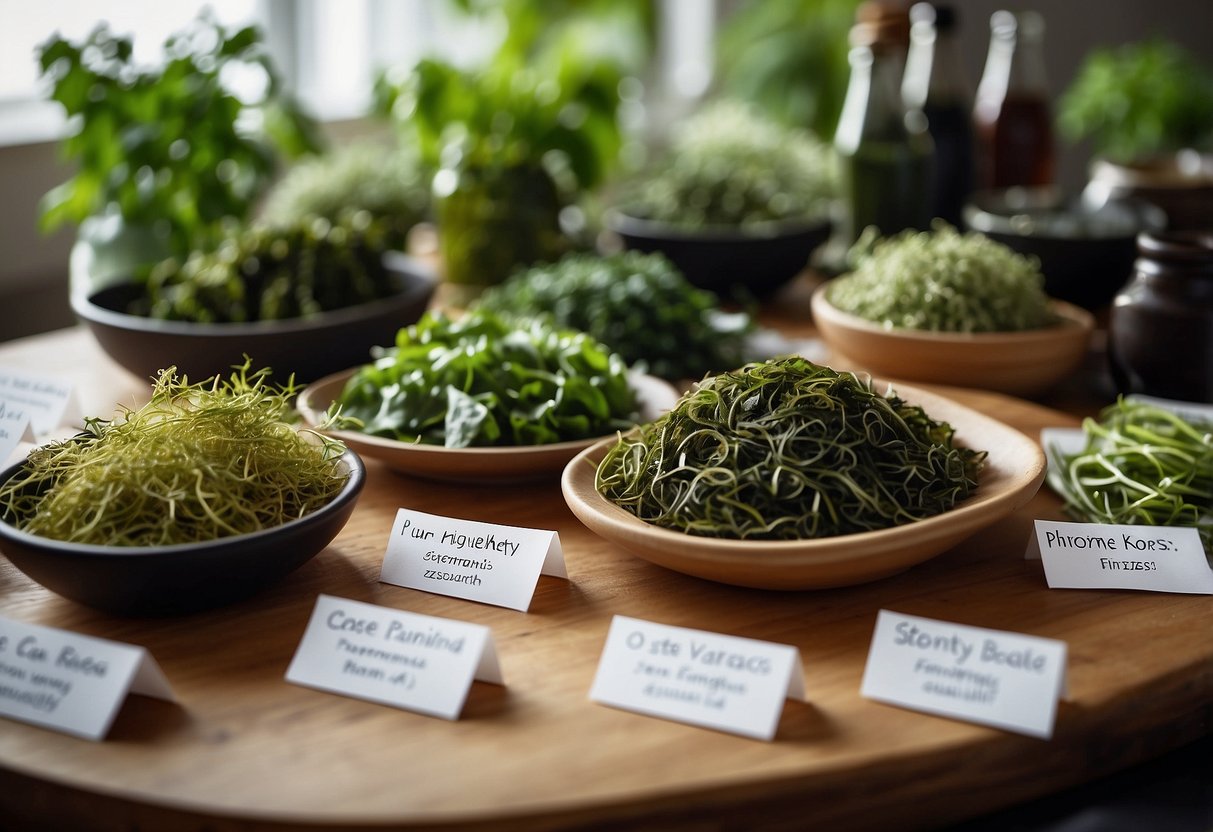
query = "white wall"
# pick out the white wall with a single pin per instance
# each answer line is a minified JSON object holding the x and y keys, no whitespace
{"x":33,"y":266}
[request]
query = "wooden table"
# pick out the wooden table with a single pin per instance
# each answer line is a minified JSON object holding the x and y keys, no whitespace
{"x":244,"y":750}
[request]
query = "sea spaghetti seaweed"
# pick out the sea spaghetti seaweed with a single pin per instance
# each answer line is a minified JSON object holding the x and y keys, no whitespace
{"x":786,"y":450}
{"x":1141,"y":465}
{"x":197,"y":462}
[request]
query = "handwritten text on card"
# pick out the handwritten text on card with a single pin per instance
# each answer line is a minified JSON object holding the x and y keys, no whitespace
{"x":992,"y":677}
{"x":718,"y":681}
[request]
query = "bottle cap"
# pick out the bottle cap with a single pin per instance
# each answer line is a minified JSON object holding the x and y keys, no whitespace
{"x":942,"y":17}
{"x":1006,"y":25}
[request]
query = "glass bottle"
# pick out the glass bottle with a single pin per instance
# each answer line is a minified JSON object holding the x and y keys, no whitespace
{"x":935,"y":83}
{"x":1012,"y":113}
{"x":884,"y":149}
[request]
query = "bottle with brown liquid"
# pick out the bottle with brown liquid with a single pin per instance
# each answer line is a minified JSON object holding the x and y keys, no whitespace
{"x":1012,"y":114}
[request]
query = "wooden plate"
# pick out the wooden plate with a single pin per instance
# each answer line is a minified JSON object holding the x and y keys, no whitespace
{"x":1019,"y":363}
{"x":470,"y":464}
{"x":1012,"y":475}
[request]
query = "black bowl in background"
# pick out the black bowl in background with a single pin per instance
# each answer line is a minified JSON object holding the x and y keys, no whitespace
{"x":1086,"y":253}
{"x":756,"y":260}
{"x":187,"y":577}
{"x":1180,"y":183}
{"x":308,"y":347}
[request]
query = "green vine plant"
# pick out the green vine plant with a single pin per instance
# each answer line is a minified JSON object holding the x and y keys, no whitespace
{"x":171,"y":147}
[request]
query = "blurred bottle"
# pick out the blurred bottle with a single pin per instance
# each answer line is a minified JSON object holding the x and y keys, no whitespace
{"x":935,"y":83}
{"x":884,"y":149}
{"x":1012,"y":114}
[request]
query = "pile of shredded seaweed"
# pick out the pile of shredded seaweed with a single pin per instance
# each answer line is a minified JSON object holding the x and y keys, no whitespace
{"x":197,"y":462}
{"x":788,"y":450}
{"x":943,"y":281}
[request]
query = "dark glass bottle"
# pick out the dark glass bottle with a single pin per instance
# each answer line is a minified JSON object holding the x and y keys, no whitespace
{"x":935,"y":83}
{"x":1012,"y":114}
{"x":1160,"y":329}
{"x":884,"y":148}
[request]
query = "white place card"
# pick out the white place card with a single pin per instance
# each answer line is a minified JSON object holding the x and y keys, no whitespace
{"x":70,"y":682}
{"x":14,"y":429}
{"x":409,"y":661}
{"x":990,"y":677}
{"x":484,"y":562}
{"x":47,"y":400}
{"x":717,"y":681}
{"x":1106,"y":556}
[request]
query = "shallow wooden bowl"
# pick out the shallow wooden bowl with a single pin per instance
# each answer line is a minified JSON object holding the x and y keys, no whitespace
{"x":1013,"y":473}
{"x":1019,"y":363}
{"x":496,"y":464}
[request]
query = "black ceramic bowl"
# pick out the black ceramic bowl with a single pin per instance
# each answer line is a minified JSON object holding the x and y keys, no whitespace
{"x":308,"y":347}
{"x":756,"y":260}
{"x":1086,"y":254}
{"x":163,"y":580}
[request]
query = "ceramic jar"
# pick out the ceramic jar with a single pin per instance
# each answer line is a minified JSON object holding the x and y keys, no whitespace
{"x":1160,"y":330}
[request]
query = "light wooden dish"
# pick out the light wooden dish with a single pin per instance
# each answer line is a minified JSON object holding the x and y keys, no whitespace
{"x":497,"y":464}
{"x":1013,"y":473}
{"x":1019,"y":363}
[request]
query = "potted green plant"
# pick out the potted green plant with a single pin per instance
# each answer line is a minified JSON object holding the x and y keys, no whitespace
{"x":164,"y":156}
{"x":521,"y":138}
{"x":1147,"y":109}
{"x":511,"y":147}
{"x":738,"y":201}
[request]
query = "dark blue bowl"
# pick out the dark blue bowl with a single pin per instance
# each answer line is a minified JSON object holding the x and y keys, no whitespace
{"x":308,"y":347}
{"x":728,"y":261}
{"x":165,"y":580}
{"x":1086,"y":254}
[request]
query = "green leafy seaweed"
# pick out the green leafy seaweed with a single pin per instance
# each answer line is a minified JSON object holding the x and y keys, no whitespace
{"x":482,"y":380}
{"x":637,"y":304}
{"x":274,"y":273}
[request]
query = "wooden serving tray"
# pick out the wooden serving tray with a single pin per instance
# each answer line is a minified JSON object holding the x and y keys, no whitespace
{"x":242,"y":749}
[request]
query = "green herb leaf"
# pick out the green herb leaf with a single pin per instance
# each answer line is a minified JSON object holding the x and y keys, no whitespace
{"x":638,"y":304}
{"x":482,"y":380}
